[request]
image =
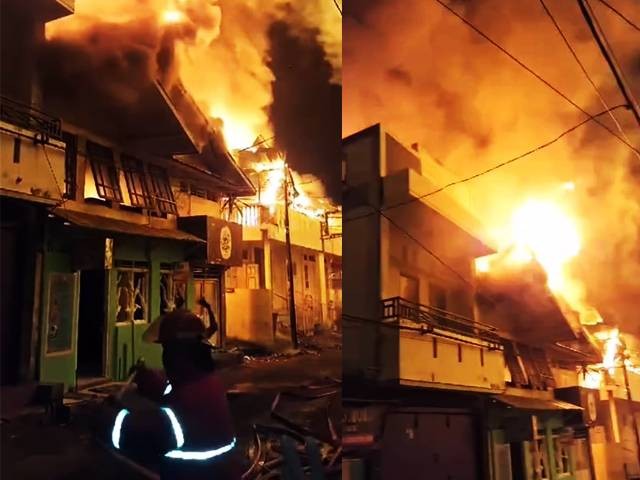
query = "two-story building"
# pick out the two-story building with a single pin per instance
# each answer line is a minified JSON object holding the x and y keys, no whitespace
{"x":414,"y":357}
{"x":111,"y":215}
{"x":258,"y":290}
{"x":446,"y":371}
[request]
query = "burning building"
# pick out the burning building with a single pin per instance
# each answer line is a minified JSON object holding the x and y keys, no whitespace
{"x":105,"y":188}
{"x":117,"y":131}
{"x":443,"y":334}
{"x":258,"y":295}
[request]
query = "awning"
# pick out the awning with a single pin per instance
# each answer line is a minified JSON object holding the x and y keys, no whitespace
{"x":530,"y":403}
{"x":85,"y":220}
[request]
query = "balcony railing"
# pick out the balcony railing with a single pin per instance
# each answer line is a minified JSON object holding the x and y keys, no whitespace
{"x":441,"y":322}
{"x":45,"y":126}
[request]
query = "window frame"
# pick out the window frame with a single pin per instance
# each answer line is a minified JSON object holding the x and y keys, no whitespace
{"x":133,"y":169}
{"x":147,"y":283}
{"x":101,"y":161}
{"x":161,"y":190}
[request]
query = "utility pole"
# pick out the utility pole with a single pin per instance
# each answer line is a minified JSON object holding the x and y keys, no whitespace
{"x":598,"y":35}
{"x":292,"y":299}
{"x":631,"y":409}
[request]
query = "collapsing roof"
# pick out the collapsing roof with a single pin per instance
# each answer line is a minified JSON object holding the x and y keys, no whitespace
{"x":516,"y":300}
{"x":141,"y":115}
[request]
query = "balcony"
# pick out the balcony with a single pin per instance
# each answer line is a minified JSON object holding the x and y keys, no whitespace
{"x":427,"y":347}
{"x":427,"y":319}
{"x":43,"y":127}
{"x":32,"y":154}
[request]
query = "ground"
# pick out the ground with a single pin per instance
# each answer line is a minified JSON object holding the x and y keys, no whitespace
{"x":34,"y":448}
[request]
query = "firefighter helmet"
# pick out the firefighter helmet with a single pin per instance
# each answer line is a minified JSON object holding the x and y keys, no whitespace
{"x":177,"y":326}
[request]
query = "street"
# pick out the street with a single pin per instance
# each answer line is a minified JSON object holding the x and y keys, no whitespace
{"x":33,"y":448}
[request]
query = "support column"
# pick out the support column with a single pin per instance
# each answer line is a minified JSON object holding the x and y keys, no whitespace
{"x":267,"y":260}
{"x":322,"y":278}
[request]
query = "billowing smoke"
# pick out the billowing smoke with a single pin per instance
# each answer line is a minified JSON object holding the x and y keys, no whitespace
{"x":430,"y":79}
{"x":219,"y":50}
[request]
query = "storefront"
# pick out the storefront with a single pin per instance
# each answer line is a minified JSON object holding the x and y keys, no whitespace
{"x":534,"y":438}
{"x":103,"y":282}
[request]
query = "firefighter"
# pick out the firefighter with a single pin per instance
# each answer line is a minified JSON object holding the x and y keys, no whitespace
{"x":189,"y":426}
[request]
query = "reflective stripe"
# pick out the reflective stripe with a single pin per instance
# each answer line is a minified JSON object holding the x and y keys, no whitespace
{"x":177,"y":429}
{"x":204,"y":455}
{"x":167,"y":389}
{"x":117,"y":426}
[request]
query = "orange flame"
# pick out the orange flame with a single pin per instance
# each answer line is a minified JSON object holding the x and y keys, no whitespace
{"x":546,"y":231}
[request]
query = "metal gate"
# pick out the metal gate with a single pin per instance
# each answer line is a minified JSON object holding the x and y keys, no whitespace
{"x":433,"y":446}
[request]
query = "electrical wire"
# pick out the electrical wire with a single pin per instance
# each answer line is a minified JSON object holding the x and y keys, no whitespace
{"x":532,"y":72}
{"x":612,"y":61}
{"x":584,"y":71}
{"x":619,"y":14}
{"x":264,"y":140}
{"x":63,"y":197}
{"x":335,"y":2}
{"x":491,"y":169}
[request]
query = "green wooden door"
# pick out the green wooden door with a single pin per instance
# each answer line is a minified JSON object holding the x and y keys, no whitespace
{"x":58,"y":353}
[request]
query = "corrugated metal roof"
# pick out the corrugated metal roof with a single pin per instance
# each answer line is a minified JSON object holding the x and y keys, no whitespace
{"x":532,"y":403}
{"x":86,"y":220}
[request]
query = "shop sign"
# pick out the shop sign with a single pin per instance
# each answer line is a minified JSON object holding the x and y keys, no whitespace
{"x":225,"y":242}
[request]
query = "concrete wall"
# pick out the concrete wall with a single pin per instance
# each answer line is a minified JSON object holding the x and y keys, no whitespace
{"x":361,"y":240}
{"x":29,"y":169}
{"x":428,"y":360}
{"x":249,"y":315}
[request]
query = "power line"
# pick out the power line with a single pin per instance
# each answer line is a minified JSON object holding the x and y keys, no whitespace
{"x":425,"y":248}
{"x":491,"y":169}
{"x":584,"y":71}
{"x":532,"y":72}
{"x":335,"y":2}
{"x":255,"y":144}
{"x":607,"y":52}
{"x":622,"y":16}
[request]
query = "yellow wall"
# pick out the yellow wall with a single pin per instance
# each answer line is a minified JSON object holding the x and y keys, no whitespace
{"x":33,"y":170}
{"x":249,"y":315}
{"x":418,"y":365}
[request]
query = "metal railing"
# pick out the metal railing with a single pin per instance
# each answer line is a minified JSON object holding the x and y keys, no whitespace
{"x":24,"y":116}
{"x":434,"y":320}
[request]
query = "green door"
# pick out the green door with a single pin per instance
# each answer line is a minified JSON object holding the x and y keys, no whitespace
{"x":58,"y":354}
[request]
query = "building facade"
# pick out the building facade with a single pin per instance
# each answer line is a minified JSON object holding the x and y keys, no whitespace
{"x":447,"y":371}
{"x":257,"y":295}
{"x":104,"y":222}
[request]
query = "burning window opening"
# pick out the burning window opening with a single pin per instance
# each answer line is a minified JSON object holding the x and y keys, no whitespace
{"x":105,"y":176}
{"x":269,"y":172}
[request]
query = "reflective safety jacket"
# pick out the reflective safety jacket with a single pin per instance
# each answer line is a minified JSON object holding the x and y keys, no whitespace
{"x":191,"y":430}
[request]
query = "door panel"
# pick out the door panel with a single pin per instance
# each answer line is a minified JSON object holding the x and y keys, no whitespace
{"x":60,"y":328}
{"x":209,"y":289}
{"x":429,"y":446}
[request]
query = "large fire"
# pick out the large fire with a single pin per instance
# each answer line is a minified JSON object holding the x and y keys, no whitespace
{"x":544,"y":230}
{"x":217,"y":48}
{"x":273,"y":175}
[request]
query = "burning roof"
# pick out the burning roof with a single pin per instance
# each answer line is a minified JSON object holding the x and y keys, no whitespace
{"x":517,"y":300}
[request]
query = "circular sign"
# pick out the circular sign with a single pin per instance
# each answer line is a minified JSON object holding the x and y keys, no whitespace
{"x":591,"y":407}
{"x":225,"y":243}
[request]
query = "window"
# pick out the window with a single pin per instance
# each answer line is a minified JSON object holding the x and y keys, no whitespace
{"x":70,"y":165}
{"x":167,"y":296}
{"x":539,"y":459}
{"x":104,"y":172}
{"x":132,"y":289}
{"x":161,"y":190}
{"x":563,"y":461}
{"x":306,"y":276}
{"x":136,"y":182}
{"x":409,"y":288}
{"x":437,"y":296}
